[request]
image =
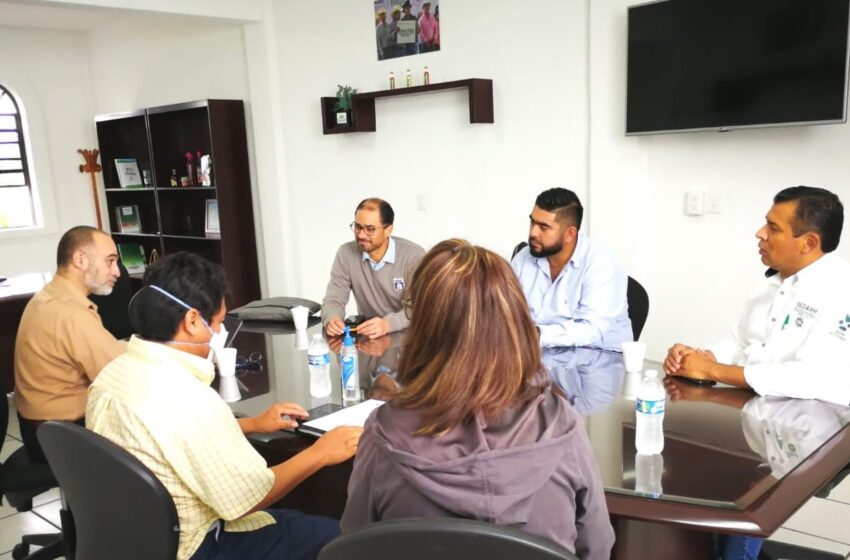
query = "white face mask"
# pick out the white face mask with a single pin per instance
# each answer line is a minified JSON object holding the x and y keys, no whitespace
{"x":217,"y":340}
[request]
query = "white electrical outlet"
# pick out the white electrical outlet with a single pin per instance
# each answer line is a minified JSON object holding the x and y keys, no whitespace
{"x":695,"y":203}
{"x":712,"y":203}
{"x":422,"y":202}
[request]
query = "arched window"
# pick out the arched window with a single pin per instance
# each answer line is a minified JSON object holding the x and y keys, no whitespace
{"x":16,"y":197}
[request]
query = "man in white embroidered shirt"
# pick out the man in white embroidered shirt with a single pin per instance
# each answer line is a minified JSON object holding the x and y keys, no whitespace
{"x":793,"y":339}
{"x":576,"y":291}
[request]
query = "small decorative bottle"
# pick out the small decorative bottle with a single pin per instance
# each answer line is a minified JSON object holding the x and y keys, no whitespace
{"x":408,"y":78}
{"x":198,"y":171}
{"x":426,"y":76}
{"x":392,"y":80}
{"x":190,"y":169}
{"x":173,"y":180}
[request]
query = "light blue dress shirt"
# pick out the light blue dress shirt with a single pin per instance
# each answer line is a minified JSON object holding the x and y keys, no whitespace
{"x":586,"y":303}
{"x":389,"y":257}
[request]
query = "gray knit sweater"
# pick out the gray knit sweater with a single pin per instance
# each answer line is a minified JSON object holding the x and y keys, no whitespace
{"x":378,"y":294}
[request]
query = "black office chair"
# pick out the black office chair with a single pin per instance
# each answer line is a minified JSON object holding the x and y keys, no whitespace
{"x":636,"y":297}
{"x":442,"y":538}
{"x":113,"y":308}
{"x":21,"y":480}
{"x":638,"y":301}
{"x":121,"y":508}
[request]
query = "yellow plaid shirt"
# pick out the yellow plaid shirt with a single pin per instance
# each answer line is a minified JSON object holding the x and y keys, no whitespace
{"x":156,"y":402}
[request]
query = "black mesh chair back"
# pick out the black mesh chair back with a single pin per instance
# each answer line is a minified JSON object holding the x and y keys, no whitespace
{"x":442,"y":539}
{"x":638,"y":301}
{"x":121,"y":509}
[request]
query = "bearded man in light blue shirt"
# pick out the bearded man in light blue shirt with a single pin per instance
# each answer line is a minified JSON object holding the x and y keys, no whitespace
{"x":576,"y":290}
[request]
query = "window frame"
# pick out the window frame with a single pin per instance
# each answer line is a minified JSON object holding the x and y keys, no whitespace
{"x":24,"y":158}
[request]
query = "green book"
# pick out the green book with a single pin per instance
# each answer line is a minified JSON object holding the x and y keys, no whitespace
{"x":133,"y":257}
{"x":127,"y":218}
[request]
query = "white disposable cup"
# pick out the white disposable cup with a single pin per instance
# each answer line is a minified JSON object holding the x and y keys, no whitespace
{"x":228,"y":388}
{"x":226,"y":359}
{"x":302,"y":339}
{"x":631,"y":382}
{"x":633,"y":355}
{"x":299,"y":317}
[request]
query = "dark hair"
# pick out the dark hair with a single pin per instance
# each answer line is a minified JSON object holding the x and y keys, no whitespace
{"x":197,"y":281}
{"x":563,"y":203}
{"x":817,"y":210}
{"x":387,"y":214}
{"x":471,"y":347}
{"x":76,"y":238}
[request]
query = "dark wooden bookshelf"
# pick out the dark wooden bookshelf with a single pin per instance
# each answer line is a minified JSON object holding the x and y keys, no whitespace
{"x":173,"y":218}
{"x":363,"y":104}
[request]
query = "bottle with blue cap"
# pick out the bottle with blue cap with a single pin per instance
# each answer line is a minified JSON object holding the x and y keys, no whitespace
{"x":350,"y":371}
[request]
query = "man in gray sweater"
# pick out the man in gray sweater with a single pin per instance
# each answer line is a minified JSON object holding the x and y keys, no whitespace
{"x":376,"y":267}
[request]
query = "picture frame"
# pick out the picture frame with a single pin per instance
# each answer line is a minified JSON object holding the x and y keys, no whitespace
{"x":211,"y":223}
{"x":128,"y":219}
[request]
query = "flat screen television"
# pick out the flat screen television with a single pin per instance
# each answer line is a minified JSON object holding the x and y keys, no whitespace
{"x":725,"y":64}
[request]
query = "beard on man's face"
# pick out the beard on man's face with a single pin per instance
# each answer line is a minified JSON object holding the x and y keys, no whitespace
{"x":544,"y":250}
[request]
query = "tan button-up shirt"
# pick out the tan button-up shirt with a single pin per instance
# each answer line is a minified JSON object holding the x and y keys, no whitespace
{"x":60,"y":348}
{"x":156,"y":402}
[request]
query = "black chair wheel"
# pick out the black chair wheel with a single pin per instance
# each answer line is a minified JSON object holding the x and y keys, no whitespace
{"x":20,"y":551}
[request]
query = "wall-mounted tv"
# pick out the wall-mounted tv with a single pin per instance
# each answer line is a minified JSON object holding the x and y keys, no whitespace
{"x":725,"y":64}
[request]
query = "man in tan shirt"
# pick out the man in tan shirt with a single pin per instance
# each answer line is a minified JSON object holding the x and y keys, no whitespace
{"x":61,"y":344}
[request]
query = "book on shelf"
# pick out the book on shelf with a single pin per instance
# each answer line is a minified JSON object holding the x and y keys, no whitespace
{"x":211,"y":225}
{"x":128,"y":173}
{"x":133,"y":257}
{"x":127,"y":219}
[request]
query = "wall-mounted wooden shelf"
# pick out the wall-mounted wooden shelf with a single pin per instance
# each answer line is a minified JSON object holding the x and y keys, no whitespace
{"x":363,"y":104}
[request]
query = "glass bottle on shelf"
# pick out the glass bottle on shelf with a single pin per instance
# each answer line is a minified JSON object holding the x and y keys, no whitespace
{"x":190,"y":169}
{"x":198,"y":171}
{"x":426,"y":76}
{"x":392,"y":80}
{"x":408,"y":79}
{"x":172,"y":181}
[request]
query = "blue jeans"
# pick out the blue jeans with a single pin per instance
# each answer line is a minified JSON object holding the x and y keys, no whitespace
{"x":295,"y":536}
{"x":738,"y":547}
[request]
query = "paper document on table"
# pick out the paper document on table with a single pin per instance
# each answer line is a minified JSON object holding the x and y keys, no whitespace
{"x":355,"y":415}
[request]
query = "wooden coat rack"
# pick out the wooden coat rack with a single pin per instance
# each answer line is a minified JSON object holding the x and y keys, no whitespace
{"x":92,"y":167}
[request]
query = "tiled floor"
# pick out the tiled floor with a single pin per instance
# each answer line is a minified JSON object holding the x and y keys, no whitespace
{"x":823,"y":524}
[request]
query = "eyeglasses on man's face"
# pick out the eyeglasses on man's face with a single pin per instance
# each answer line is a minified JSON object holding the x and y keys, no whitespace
{"x":369,"y":230}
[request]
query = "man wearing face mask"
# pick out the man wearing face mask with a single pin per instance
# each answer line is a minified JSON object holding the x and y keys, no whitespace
{"x":61,"y":344}
{"x":155,"y":400}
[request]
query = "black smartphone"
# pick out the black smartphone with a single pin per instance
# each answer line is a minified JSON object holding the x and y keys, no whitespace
{"x":692,"y":381}
{"x":353,"y":321}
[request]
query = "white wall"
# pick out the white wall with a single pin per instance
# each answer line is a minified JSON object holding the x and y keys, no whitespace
{"x":49,"y":72}
{"x":698,"y":270}
{"x":480,"y":180}
{"x":146,"y":60}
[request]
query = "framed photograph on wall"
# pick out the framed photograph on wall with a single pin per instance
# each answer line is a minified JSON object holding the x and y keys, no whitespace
{"x":211,"y":225}
{"x":406,"y":27}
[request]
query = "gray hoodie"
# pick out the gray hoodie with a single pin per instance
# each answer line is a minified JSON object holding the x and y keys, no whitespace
{"x":532,"y":468}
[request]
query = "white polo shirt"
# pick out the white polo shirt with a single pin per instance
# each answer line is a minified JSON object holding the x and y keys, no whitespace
{"x":793,"y":338}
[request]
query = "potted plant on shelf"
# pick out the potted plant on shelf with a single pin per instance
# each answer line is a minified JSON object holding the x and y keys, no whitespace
{"x":343,"y":105}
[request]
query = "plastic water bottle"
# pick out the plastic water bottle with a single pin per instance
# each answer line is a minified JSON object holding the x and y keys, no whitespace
{"x":350,"y":371}
{"x":649,"y":408}
{"x":648,"y":472}
{"x":319,"y":362}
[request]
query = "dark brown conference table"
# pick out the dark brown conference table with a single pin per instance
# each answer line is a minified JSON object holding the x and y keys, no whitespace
{"x":733,"y":462}
{"x":15,"y":293}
